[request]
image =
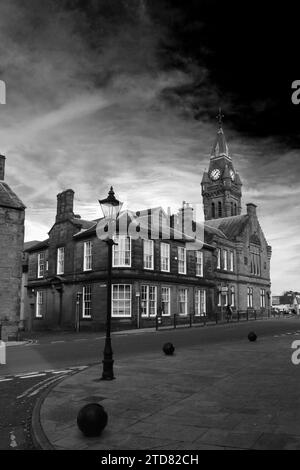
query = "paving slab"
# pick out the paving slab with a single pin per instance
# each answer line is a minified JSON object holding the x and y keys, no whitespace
{"x":233,"y":396}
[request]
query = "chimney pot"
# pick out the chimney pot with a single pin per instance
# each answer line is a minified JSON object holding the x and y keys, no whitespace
{"x":251,"y":209}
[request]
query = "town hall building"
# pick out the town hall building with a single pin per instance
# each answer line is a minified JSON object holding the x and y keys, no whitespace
{"x":165,"y":275}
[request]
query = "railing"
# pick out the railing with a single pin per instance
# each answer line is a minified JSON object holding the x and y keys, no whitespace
{"x":189,"y":320}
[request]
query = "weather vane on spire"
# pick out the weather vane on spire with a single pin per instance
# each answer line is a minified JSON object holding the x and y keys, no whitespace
{"x":219,"y":117}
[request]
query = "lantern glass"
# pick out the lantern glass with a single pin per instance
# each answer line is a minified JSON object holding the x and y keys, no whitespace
{"x":110,"y":206}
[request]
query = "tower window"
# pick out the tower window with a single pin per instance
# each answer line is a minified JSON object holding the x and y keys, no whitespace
{"x":232,"y":213}
{"x":220,"y":209}
{"x":235,"y":209}
{"x":213,"y":210}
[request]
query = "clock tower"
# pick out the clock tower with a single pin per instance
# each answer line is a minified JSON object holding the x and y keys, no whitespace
{"x":221,"y":184}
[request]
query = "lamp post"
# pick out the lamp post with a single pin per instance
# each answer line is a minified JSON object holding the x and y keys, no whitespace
{"x":110,"y":208}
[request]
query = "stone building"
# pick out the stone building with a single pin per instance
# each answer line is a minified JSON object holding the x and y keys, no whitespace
{"x":242,"y":270}
{"x":163,"y":275}
{"x":12,"y":214}
{"x":67,"y":273}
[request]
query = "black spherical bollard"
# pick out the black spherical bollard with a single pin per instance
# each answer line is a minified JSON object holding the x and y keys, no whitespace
{"x":92,"y":419}
{"x":168,"y":349}
{"x":252,"y":336}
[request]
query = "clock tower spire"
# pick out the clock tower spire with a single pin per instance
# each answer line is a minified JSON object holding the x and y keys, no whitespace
{"x":221,"y":184}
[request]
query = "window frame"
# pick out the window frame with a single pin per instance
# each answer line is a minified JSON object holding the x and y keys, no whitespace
{"x":60,"y":261}
{"x":182,"y":249}
{"x":87,"y":256}
{"x":148,"y":289}
{"x":84,"y":301}
{"x":151,"y":242}
{"x":185,"y":303}
{"x":218,"y":258}
{"x":168,"y":290}
{"x":39,"y":304}
{"x":225,"y":259}
{"x":250,"y":297}
{"x":200,"y":301}
{"x":115,"y":249}
{"x":199,"y":252}
{"x":113,"y":315}
{"x":231,"y":260}
{"x":40,"y":264}
{"x":161,"y":257}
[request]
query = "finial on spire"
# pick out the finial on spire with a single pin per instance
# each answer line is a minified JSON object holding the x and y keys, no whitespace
{"x":219,"y":117}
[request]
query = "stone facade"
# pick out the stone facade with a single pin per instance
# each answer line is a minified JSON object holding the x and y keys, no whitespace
{"x":243,"y":257}
{"x":235,"y":259}
{"x":12,"y":213}
{"x":62,"y":299}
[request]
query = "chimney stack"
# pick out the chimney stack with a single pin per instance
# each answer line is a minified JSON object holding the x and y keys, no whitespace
{"x":65,"y":203}
{"x":2,"y":167}
{"x":186,"y":218}
{"x":251,"y":209}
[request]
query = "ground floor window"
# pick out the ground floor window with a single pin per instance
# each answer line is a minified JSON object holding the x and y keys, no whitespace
{"x":165,"y":301}
{"x":121,"y":300}
{"x":39,"y":304}
{"x":232,"y":296}
{"x":250,"y":297}
{"x":86,"y":301}
{"x":200,"y":302}
{"x":223,"y":297}
{"x":262,"y":298}
{"x":182,"y":300}
{"x":149,"y":301}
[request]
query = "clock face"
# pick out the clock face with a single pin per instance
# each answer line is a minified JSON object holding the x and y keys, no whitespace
{"x":232,"y":175}
{"x":215,"y":174}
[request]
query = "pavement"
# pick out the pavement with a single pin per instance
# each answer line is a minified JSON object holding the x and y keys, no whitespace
{"x":229,"y":395}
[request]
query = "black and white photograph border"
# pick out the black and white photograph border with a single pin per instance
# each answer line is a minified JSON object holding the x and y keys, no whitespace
{"x":149,"y":228}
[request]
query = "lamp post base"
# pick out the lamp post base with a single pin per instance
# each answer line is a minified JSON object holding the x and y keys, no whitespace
{"x":108,"y":371}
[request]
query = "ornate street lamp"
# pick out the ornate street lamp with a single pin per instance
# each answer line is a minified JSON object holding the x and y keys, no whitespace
{"x":111,"y":208}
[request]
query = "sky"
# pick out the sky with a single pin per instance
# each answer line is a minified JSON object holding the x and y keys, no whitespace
{"x":125,"y":93}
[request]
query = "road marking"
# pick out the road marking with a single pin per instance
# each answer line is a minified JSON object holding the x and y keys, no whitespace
{"x":61,"y":341}
{"x":81,"y":339}
{"x":39,"y":389}
{"x":34,"y":387}
{"x":31,"y":376}
{"x":78,"y":367}
{"x":5,"y":380}
{"x":27,"y":373}
{"x":13,"y":442}
{"x":61,"y":371}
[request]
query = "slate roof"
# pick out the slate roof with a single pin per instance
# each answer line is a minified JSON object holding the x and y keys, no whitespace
{"x":230,"y":226}
{"x":8,"y":198}
{"x":35,"y":246}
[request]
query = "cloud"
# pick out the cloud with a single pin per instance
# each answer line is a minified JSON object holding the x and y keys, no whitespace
{"x":103,"y":93}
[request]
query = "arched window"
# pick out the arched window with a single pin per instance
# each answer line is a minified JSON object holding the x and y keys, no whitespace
{"x":232,"y":213}
{"x":213,"y":210}
{"x":220,"y":209}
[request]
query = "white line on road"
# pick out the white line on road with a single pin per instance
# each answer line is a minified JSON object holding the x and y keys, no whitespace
{"x":61,"y":371}
{"x":35,"y":392}
{"x":79,"y":367}
{"x":61,"y":341}
{"x":81,"y":339}
{"x":27,"y":373}
{"x":30,"y":376}
{"x":34,"y":387}
{"x":5,"y":380}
